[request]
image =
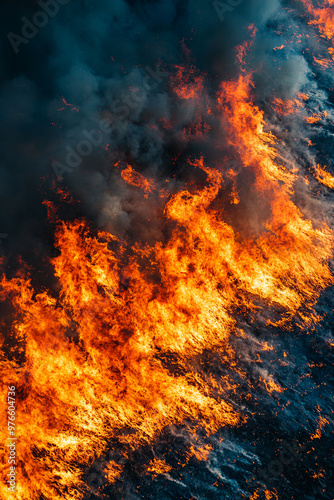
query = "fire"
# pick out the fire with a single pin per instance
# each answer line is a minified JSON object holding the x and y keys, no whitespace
{"x":316,"y":117}
{"x":95,"y":370}
{"x":323,"y":17}
{"x":324,"y":63}
{"x":201,"y":453}
{"x":269,"y":263}
{"x":157,"y":466}
{"x":269,"y":495}
{"x":304,"y":97}
{"x":289,"y":106}
{"x":136,"y":179}
{"x":271,"y":386}
{"x":321,"y":424}
{"x":113,"y":471}
{"x":187,"y":83}
{"x":324,"y":177}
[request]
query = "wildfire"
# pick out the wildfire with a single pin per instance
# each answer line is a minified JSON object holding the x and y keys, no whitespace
{"x":289,"y":106}
{"x":321,"y":423}
{"x":324,"y":177}
{"x":136,"y":179}
{"x":316,"y":117}
{"x":95,"y":371}
{"x":323,"y":17}
{"x":187,"y":83}
{"x":157,"y":466}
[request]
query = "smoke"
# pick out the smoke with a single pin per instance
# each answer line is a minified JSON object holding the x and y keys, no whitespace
{"x":90,"y":88}
{"x":114,"y":62}
{"x":95,"y":61}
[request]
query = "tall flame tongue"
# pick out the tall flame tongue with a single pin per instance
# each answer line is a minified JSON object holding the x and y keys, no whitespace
{"x":96,"y":370}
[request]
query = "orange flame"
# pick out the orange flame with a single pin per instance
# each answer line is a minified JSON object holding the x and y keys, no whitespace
{"x":323,"y":17}
{"x":324,"y":177}
{"x":95,"y":353}
{"x":157,"y":466}
{"x":316,"y":117}
{"x":187,"y":83}
{"x":134,"y":178}
{"x":289,"y":106}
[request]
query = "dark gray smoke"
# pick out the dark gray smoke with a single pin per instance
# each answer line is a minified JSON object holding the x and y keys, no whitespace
{"x":67,"y":65}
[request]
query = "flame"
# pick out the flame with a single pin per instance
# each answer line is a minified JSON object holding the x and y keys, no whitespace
{"x":323,"y":17}
{"x":267,"y":263}
{"x":157,"y":466}
{"x":187,"y":83}
{"x":322,"y":421}
{"x":313,"y":119}
{"x":272,"y":386}
{"x":267,"y":347}
{"x":269,"y":495}
{"x":202,"y":452}
{"x":95,"y":370}
{"x":113,"y":471}
{"x":324,"y":177}
{"x":243,"y":49}
{"x":289,"y":106}
{"x":304,"y":97}
{"x":134,"y":178}
{"x":324,"y":63}
{"x":316,"y":117}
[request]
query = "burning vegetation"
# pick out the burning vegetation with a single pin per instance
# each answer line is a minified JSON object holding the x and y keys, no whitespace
{"x":111,"y":352}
